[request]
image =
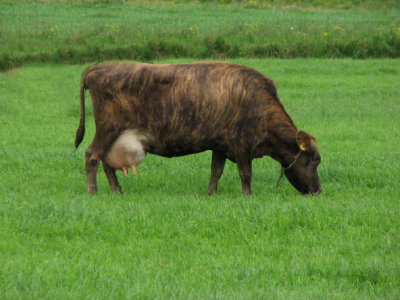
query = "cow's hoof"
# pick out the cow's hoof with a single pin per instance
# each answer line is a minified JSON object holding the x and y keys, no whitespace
{"x":92,"y":191}
{"x":117,"y":190}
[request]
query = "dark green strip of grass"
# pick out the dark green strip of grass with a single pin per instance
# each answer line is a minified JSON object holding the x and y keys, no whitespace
{"x":87,"y":32}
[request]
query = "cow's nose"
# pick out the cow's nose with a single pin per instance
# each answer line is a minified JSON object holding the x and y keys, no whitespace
{"x":313,"y":193}
{"x":319,"y":191}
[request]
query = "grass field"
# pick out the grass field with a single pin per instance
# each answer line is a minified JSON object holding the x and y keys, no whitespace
{"x":164,"y":238}
{"x":83,"y":32}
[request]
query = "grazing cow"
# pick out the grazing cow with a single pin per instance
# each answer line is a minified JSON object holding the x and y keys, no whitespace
{"x":181,"y":109}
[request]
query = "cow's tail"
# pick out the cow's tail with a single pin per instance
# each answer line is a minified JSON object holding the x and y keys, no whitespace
{"x":80,"y":132}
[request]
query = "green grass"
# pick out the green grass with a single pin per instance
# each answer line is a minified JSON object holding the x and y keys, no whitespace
{"x":82,"y":32}
{"x":164,"y":238}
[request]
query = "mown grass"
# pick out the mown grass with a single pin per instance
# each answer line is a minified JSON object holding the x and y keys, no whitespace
{"x":164,"y":238}
{"x":81,"y":32}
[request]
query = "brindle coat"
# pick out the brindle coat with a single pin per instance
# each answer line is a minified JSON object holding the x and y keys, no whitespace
{"x":183,"y":109}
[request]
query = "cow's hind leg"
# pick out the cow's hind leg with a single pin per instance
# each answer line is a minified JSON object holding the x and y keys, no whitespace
{"x":217,"y":168}
{"x":95,"y":153}
{"x":92,"y":163}
{"x":112,"y":178}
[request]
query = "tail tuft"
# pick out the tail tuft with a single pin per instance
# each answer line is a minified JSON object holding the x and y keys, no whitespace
{"x":80,"y":132}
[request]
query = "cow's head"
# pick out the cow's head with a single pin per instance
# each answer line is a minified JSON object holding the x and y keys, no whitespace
{"x":303,"y":174}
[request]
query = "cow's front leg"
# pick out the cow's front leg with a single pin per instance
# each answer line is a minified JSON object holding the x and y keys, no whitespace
{"x":245,"y":172}
{"x":112,"y":178}
{"x":217,"y":168}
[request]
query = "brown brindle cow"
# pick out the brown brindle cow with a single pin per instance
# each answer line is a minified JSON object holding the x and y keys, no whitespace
{"x":183,"y":109}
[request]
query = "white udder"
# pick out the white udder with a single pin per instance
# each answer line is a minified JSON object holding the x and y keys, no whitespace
{"x":127,"y":151}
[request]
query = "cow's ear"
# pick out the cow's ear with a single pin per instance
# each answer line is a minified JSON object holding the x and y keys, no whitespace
{"x":304,"y":140}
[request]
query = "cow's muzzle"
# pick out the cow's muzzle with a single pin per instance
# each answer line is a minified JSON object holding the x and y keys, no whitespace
{"x":312,"y":193}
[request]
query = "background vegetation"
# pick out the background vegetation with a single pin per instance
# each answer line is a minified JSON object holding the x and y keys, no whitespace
{"x":164,"y":238}
{"x":61,"y":32}
{"x":302,"y":4}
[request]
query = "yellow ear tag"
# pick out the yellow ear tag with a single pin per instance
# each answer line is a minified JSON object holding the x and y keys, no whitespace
{"x":303,"y":147}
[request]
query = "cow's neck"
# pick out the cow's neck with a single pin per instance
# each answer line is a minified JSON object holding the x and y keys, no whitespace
{"x":283,"y":144}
